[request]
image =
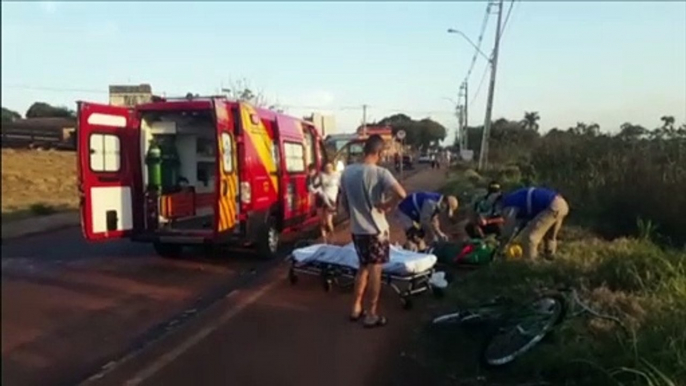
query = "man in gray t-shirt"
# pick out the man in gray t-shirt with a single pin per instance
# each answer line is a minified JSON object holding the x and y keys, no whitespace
{"x":364,"y":189}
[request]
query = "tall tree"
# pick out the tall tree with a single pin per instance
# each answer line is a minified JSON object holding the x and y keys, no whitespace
{"x":44,"y":110}
{"x":531,"y":120}
{"x":420,"y":134}
{"x":9,"y":115}
{"x":630,"y":131}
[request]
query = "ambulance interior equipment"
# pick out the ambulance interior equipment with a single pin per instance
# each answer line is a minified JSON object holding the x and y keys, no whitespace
{"x":179,"y":168}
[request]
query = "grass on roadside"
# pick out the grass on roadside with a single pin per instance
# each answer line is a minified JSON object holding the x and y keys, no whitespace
{"x":37,"y":183}
{"x":633,"y":279}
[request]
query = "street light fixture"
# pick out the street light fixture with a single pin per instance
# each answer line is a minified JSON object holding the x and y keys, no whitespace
{"x":454,"y":31}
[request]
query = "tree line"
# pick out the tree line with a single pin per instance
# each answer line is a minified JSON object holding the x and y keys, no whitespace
{"x":614,"y":181}
{"x":38,"y":110}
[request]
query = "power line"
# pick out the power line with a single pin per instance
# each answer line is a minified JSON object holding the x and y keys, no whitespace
{"x":484,"y":23}
{"x":53,"y":89}
{"x":507,"y":17}
{"x":483,"y":76}
{"x":303,"y":107}
{"x":481,"y":83}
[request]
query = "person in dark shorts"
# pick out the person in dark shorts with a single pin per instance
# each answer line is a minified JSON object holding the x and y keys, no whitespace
{"x":364,"y":188}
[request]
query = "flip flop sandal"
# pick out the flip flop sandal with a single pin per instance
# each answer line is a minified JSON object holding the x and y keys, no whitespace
{"x":355,"y":318}
{"x":379,"y":322}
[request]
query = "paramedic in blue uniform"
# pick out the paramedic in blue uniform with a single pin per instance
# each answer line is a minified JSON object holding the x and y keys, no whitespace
{"x":542,"y":212}
{"x":420,"y":214}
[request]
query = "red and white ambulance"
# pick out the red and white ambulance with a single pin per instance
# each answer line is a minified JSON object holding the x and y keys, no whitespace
{"x":238,"y":174}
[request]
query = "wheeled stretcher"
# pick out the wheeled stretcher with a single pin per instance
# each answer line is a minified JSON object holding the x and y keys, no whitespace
{"x":408,"y":273}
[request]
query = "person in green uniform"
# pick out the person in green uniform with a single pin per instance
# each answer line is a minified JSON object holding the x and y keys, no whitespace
{"x":486,"y":219}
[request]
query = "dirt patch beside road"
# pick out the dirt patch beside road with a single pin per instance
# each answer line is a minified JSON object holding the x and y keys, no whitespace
{"x":37,"y":183}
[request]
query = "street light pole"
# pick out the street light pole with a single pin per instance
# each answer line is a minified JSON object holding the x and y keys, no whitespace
{"x":465,"y":113}
{"x":483,"y":154}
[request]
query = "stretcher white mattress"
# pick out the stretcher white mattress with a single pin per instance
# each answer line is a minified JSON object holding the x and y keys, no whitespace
{"x":402,"y":262}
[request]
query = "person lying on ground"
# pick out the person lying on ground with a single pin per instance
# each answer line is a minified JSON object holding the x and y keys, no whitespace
{"x":420,"y":213}
{"x":363,"y":190}
{"x":540,"y":211}
{"x":485,"y":219}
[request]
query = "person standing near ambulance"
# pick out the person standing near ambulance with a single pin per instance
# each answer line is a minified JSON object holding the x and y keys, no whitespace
{"x":364,"y":190}
{"x":541,"y":212}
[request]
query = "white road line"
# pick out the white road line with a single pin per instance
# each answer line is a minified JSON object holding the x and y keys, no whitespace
{"x":169,"y":357}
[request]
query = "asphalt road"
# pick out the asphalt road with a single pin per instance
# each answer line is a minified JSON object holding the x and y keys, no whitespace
{"x":71,"y":309}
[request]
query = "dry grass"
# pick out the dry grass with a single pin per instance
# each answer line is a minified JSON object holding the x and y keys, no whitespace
{"x":37,"y":183}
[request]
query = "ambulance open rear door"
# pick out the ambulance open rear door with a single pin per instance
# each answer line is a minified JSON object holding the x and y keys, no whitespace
{"x":226,"y":207}
{"x":109,"y":167}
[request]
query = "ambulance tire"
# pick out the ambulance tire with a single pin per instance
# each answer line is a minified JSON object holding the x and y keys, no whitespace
{"x":268,"y":240}
{"x":168,"y":251}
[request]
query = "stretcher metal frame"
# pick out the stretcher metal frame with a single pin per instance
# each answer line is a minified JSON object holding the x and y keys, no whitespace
{"x":331,"y":274}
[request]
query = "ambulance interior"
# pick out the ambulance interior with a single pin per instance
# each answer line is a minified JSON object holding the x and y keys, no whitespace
{"x":186,"y":142}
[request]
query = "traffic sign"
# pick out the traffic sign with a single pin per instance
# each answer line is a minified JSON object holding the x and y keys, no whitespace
{"x":400,"y":134}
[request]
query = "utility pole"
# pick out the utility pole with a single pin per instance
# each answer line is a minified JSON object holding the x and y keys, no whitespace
{"x":464,"y":112}
{"x":466,"y":115}
{"x":460,"y":126}
{"x":364,"y":120}
{"x":483,"y":156}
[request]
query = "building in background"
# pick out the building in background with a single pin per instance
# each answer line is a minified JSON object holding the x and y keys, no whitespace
{"x":326,"y":124}
{"x":129,"y":95}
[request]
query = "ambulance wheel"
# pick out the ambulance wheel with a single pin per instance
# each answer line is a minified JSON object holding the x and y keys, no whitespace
{"x":169,"y":251}
{"x":268,"y":240}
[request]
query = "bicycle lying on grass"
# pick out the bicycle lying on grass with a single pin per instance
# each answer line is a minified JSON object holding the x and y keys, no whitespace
{"x":516,"y":328}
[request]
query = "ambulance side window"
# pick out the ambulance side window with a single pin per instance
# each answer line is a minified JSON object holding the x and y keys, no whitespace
{"x":294,"y":157}
{"x":227,"y":157}
{"x":105,"y":153}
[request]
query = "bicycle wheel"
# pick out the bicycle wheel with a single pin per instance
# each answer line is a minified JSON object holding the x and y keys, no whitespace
{"x":524,"y":329}
{"x":481,"y":314}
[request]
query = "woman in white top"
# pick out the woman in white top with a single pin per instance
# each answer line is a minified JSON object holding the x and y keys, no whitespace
{"x":330,"y":185}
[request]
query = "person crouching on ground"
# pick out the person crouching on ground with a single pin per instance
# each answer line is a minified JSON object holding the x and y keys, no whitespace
{"x":363,"y":191}
{"x":419,"y":214}
{"x":485,"y":219}
{"x":540,"y":211}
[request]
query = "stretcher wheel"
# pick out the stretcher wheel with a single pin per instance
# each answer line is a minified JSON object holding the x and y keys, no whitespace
{"x":406,"y":302}
{"x":327,"y":283}
{"x":292,"y":277}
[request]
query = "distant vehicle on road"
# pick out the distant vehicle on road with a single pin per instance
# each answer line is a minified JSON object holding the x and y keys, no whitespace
{"x":424,"y":159}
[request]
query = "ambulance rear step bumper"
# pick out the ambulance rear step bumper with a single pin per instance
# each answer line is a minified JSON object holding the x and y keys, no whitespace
{"x":167,"y":238}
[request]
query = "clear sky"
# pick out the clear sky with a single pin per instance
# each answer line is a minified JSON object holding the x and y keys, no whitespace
{"x":571,"y":61}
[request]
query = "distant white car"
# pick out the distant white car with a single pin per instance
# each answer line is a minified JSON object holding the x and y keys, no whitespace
{"x":424,"y":159}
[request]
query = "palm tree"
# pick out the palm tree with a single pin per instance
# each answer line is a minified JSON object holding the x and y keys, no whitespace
{"x":531,"y":120}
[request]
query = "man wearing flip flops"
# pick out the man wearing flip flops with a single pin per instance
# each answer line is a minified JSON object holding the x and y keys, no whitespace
{"x":363,"y":190}
{"x":541,"y":211}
